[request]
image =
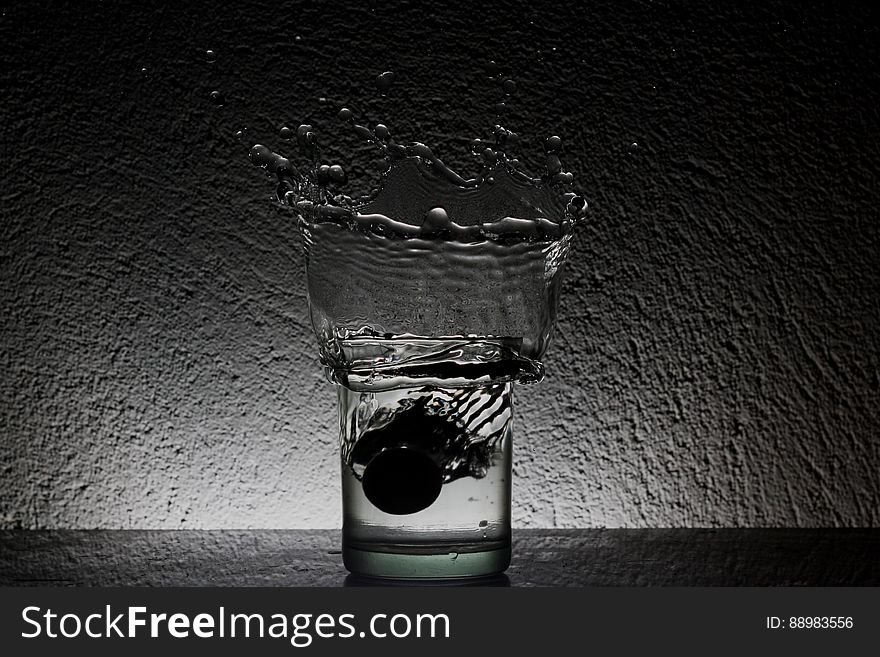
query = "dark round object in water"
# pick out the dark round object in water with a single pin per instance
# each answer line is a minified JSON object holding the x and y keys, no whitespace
{"x":401,"y":481}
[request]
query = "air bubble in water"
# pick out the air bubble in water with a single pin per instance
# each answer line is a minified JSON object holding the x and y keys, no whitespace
{"x":508,"y":86}
{"x":384,"y":81}
{"x":453,"y":556}
{"x":484,"y":523}
{"x":217,"y":98}
{"x":632,"y":148}
{"x":285,"y":133}
{"x":210,"y":56}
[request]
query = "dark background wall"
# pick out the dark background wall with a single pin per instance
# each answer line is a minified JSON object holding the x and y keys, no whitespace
{"x":717,"y":359}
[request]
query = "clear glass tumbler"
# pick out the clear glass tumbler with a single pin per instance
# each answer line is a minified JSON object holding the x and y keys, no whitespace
{"x":426,"y":337}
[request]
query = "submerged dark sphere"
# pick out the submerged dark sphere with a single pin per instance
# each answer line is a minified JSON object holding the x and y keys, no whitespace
{"x":401,"y":481}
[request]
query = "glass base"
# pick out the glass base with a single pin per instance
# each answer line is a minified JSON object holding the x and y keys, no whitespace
{"x":403,"y":562}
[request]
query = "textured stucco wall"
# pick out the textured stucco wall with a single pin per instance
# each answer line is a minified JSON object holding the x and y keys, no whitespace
{"x":717,"y":360}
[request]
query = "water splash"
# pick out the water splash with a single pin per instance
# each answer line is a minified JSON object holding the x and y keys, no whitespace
{"x":501,"y":201}
{"x":430,"y":276}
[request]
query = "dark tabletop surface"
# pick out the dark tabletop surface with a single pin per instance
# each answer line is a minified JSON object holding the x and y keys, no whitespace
{"x":591,"y":557}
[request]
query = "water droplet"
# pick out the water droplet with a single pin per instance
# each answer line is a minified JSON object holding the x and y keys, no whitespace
{"x":306,"y":138}
{"x":508,"y":86}
{"x":436,"y":222}
{"x":297,"y":38}
{"x":282,"y":190}
{"x":500,"y":107}
{"x":210,"y":56}
{"x":345,"y":114}
{"x":552,"y":144}
{"x":338,"y":175}
{"x":282,"y":166}
{"x":484,"y":523}
{"x":217,"y":98}
{"x":420,"y":150}
{"x":491,"y":68}
{"x":285,"y":133}
{"x":477,"y":146}
{"x":632,"y":148}
{"x":553,"y":164}
{"x":384,"y":81}
{"x":261,"y":156}
{"x":362,"y":131}
{"x":453,"y":556}
{"x":322,"y":174}
{"x":576,"y":205}
{"x":396,"y":151}
{"x":382,"y":133}
{"x":485,"y":535}
{"x":144,"y":71}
